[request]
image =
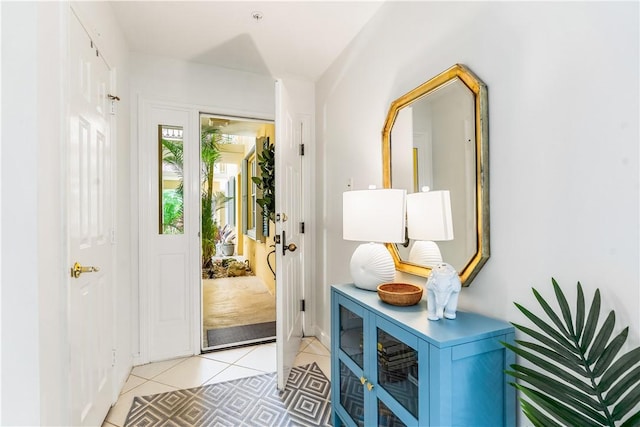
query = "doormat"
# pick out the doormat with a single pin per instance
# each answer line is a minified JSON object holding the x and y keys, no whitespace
{"x":240,"y":334}
{"x":251,"y":401}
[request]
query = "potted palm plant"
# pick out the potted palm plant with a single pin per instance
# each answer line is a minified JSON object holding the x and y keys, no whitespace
{"x":211,"y":201}
{"x":575,"y":376}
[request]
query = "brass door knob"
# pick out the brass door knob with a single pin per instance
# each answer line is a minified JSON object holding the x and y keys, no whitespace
{"x":291,"y":247}
{"x":77,"y":270}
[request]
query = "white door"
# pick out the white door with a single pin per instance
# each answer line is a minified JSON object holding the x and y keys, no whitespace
{"x":89,"y":226}
{"x":289,"y":274}
{"x":169,"y":249}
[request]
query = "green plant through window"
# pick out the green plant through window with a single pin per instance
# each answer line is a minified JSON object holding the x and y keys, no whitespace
{"x":172,"y":180}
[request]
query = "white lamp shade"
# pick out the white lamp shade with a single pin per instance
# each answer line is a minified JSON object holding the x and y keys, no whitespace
{"x":429,"y":216}
{"x":374,"y":215}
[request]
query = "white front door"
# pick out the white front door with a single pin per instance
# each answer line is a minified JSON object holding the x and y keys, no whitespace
{"x":90,"y":222}
{"x":289,"y":253}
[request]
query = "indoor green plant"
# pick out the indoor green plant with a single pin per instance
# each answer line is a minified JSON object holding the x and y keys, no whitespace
{"x":266,"y":182}
{"x":172,"y":199}
{"x":576,"y":378}
{"x":211,"y":201}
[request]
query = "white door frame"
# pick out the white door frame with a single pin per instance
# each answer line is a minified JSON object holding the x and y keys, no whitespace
{"x":145,"y":163}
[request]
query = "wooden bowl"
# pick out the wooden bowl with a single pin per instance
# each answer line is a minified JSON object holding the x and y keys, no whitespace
{"x":400,"y":293}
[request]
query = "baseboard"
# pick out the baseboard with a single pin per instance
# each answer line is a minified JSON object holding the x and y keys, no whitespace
{"x":324,"y":338}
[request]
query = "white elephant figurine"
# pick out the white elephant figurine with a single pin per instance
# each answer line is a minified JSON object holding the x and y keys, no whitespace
{"x":443,"y":288}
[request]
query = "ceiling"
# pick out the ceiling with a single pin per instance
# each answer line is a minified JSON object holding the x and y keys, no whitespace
{"x":291,"y":39}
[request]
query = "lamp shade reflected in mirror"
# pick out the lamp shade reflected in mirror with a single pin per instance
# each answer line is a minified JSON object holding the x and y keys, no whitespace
{"x":429,"y":220}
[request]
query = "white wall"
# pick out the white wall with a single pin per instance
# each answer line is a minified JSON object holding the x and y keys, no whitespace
{"x":563,"y":135}
{"x":20,"y":326}
{"x":230,"y":91}
{"x":35,"y":365}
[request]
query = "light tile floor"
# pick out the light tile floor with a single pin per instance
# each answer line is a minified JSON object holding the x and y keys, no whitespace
{"x":206,"y":369}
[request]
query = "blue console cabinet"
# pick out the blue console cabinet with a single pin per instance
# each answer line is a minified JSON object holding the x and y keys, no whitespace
{"x":391,"y":366}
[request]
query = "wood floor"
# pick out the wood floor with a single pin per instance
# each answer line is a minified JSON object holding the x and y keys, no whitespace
{"x":234,"y":301}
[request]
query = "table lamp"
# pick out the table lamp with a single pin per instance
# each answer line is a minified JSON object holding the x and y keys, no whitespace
{"x":376,"y":216}
{"x":428,"y":220}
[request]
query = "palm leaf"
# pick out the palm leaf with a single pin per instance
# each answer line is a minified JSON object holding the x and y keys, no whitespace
{"x":616,"y":370}
{"x":545,"y":327}
{"x":623,"y":386}
{"x":553,"y":345}
{"x":564,"y":307}
{"x":568,"y":359}
{"x":592,"y":322}
{"x":552,"y":315}
{"x":634,"y":421}
{"x":579,"y":312}
{"x":571,"y":363}
{"x":576,"y":383}
{"x":602,"y":338}
{"x":538,"y":418}
{"x":556,"y":408}
{"x":607,"y":356}
{"x":552,"y":387}
{"x":554,"y":369}
{"x":627,"y":403}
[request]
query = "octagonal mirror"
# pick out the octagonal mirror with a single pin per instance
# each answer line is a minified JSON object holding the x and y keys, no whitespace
{"x":436,"y":136}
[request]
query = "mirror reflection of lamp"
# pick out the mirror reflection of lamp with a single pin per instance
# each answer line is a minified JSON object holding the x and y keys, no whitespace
{"x":428,"y":221}
{"x":376,"y":216}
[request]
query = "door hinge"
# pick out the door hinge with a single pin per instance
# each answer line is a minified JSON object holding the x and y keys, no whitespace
{"x":302,"y":305}
{"x":302,"y":149}
{"x":112,"y":100}
{"x":113,"y":357}
{"x":302,"y":228}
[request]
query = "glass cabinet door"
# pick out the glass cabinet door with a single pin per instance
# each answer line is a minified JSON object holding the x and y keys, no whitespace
{"x":351,"y":335}
{"x":397,"y":364}
{"x":351,"y":394}
{"x":376,"y":367}
{"x":350,"y":341}
{"x":386,"y":417}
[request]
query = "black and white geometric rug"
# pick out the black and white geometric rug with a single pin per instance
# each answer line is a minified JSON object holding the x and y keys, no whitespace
{"x":252,"y":401}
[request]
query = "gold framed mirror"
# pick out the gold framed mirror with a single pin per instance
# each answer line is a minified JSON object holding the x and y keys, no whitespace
{"x":436,"y":136}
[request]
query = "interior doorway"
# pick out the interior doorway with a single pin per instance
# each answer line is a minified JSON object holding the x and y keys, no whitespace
{"x":238,"y":262}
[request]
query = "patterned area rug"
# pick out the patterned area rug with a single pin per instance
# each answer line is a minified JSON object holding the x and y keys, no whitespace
{"x":252,"y":401}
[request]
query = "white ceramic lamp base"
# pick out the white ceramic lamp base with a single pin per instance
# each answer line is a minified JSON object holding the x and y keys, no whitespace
{"x":425,"y":252}
{"x":372,"y":265}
